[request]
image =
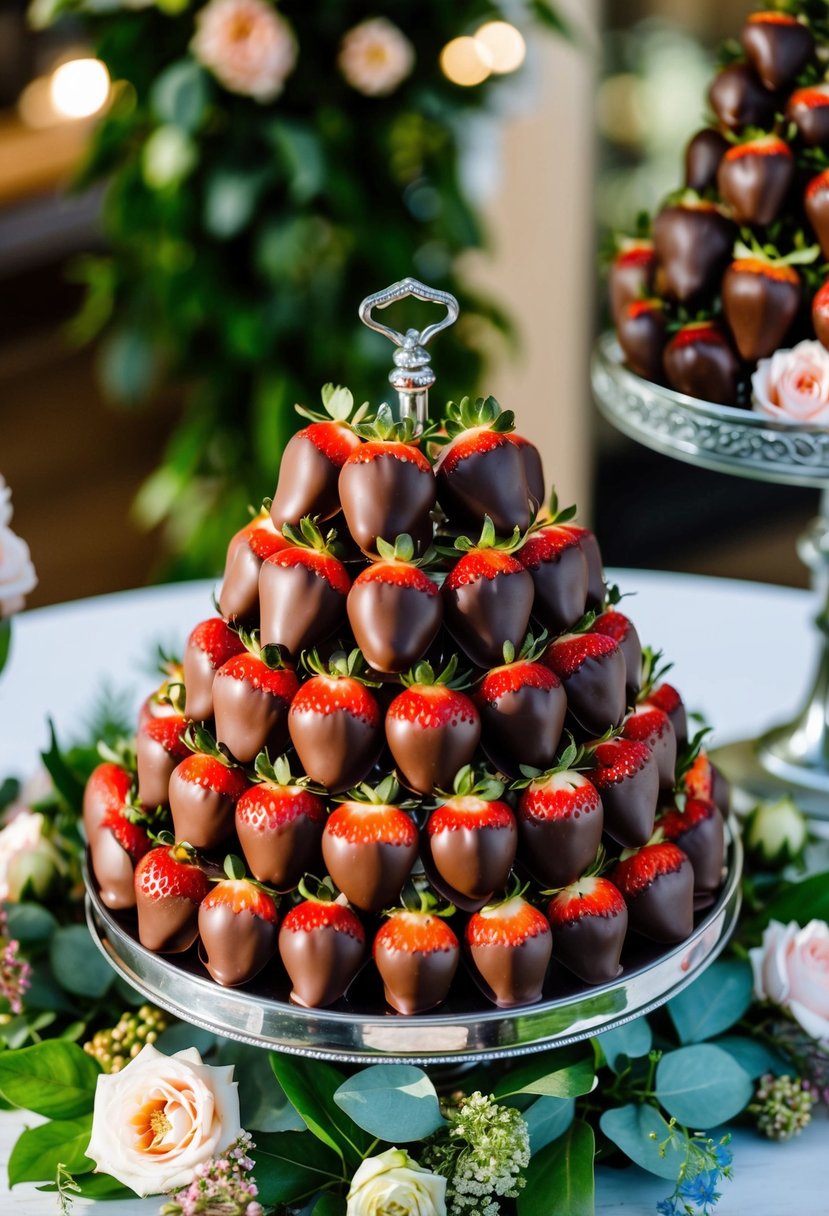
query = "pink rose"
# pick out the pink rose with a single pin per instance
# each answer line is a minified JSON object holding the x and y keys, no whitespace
{"x":247,"y":46}
{"x":791,"y":969}
{"x":793,"y":385}
{"x":375,"y":57}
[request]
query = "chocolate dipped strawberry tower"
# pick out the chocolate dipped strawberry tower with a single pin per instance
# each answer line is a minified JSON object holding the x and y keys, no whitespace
{"x":419,"y":751}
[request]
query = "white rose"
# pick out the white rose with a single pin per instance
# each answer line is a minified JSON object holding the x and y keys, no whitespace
{"x":791,"y":969}
{"x":17,"y":574}
{"x":27,"y":857}
{"x":161,"y":1117}
{"x":793,"y":385}
{"x":392,"y":1184}
{"x":776,"y":831}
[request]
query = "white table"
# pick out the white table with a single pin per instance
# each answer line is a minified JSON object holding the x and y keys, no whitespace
{"x":741,"y":654}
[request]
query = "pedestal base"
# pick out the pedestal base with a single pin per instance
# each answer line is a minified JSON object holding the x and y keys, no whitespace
{"x":757,"y":775}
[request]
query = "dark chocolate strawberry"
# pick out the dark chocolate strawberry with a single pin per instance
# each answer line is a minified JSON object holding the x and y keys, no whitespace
{"x":432,"y":727}
{"x":533,"y":469}
{"x":322,"y":943}
{"x":394,"y":607}
{"x":335,"y":722}
{"x":279,"y":822}
{"x":239,"y":596}
{"x":625,"y":773}
{"x":777,"y":46}
{"x":592,"y":669}
{"x":558,"y":566}
{"x":642,"y":333}
{"x":700,"y":362}
{"x":702,"y":779}
{"x":816,"y":203}
{"x":595,"y":568}
{"x":616,"y":625}
{"x":657,"y":883}
{"x":210,"y":644}
{"x":204,"y":790}
{"x":560,"y":822}
{"x":631,"y":274}
{"x":471,"y":840}
{"x":754,"y":178}
{"x":481,"y":471}
{"x":159,"y":747}
{"x":302,"y":590}
{"x":647,"y":723}
{"x":693,"y":242}
{"x":510,"y":945}
{"x":703,"y":154}
{"x":370,"y":845}
{"x":522,"y":706}
{"x":760,"y":300}
{"x":656,"y":691}
{"x":589,"y":920}
{"x":820,"y":314}
{"x":808,"y":109}
{"x":116,"y":848}
{"x":169,"y":886}
{"x":739,"y":100}
{"x":237,"y":927}
{"x":107,"y":789}
{"x":697,"y":827}
{"x":252,"y":693}
{"x":417,"y":955}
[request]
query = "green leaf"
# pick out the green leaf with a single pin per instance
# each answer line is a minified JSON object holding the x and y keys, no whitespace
{"x":18,"y":1030}
{"x":798,"y":901}
{"x":632,"y":1040}
{"x":180,"y":94}
{"x":5,"y":641}
{"x":44,"y":992}
{"x":77,"y":963}
{"x":54,"y":1078}
{"x":713,"y":1003}
{"x":753,"y":1055}
{"x":565,"y":1073}
{"x":30,"y":923}
{"x":95,"y":1186}
{"x":264,"y":1107}
{"x":39,"y":1150}
{"x":309,"y":1086}
{"x":292,"y":1166}
{"x":66,"y":782}
{"x":547,"y":1119}
{"x":395,"y":1102}
{"x":302,"y":155}
{"x":646,"y":1138}
{"x":230,"y":201}
{"x":329,"y":1204}
{"x":702,"y":1086}
{"x":560,"y":1178}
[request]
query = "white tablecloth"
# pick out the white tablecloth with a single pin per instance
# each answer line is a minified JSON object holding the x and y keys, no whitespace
{"x":741,"y":652}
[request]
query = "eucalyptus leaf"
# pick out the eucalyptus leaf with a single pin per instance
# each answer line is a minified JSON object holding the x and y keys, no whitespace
{"x":18,"y":1030}
{"x":547,"y":1119}
{"x":55,"y":1078}
{"x":713,"y":1003}
{"x":702,"y":1086}
{"x":646,"y":1138}
{"x":29,"y":923}
{"x":264,"y":1107}
{"x":395,"y":1102}
{"x":560,"y":1179}
{"x":230,"y":200}
{"x":44,"y":992}
{"x":290,"y":1166}
{"x":309,"y":1086}
{"x":180,"y":94}
{"x":632,"y":1040}
{"x":565,"y":1073}
{"x":752,"y":1055}
{"x":77,"y":963}
{"x":39,"y":1150}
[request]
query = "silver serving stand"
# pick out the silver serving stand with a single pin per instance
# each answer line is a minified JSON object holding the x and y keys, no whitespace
{"x":792,"y":758}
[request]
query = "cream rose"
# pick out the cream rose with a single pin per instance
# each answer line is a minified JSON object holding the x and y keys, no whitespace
{"x":392,"y":1184}
{"x":375,"y":57}
{"x":27,"y":857}
{"x":793,"y":385}
{"x":17,"y":574}
{"x":161,"y":1117}
{"x":791,"y":969}
{"x":5,"y":503}
{"x":247,"y":46}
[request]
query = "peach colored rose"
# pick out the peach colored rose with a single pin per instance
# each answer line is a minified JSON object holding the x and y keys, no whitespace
{"x":791,"y":969}
{"x":161,"y":1117}
{"x":375,"y":57}
{"x":793,"y":385}
{"x":28,"y":859}
{"x":247,"y":46}
{"x":17,"y":574}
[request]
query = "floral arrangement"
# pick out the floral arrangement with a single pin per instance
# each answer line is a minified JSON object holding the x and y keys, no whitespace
{"x":17,"y":574}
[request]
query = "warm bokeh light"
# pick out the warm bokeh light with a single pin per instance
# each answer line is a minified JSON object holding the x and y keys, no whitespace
{"x":79,"y":88}
{"x":504,"y":44}
{"x":465,"y":61}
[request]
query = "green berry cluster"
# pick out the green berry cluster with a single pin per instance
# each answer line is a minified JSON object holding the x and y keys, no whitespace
{"x":782,"y":1106}
{"x":114,"y":1047}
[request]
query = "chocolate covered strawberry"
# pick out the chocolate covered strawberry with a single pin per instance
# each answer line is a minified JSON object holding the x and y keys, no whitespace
{"x":279,"y":822}
{"x":387,"y":486}
{"x":239,"y":595}
{"x":820,"y":314}
{"x":210,"y":644}
{"x":693,"y":241}
{"x":159,"y":747}
{"x":252,"y":693}
{"x":754,"y":178}
{"x":522,"y":706}
{"x":656,"y":691}
{"x":335,"y":723}
{"x":625,"y":773}
{"x":657,"y":883}
{"x":322,"y":943}
{"x":481,"y":472}
{"x":302,"y":590}
{"x":614,"y":624}
{"x":816,"y":204}
{"x":510,"y":945}
{"x":696,"y":826}
{"x":167,"y":700}
{"x":777,"y":46}
{"x":116,"y":847}
{"x":700,"y":362}
{"x":432,"y":728}
{"x":417,"y":955}
{"x":700,"y":778}
{"x":808,"y":109}
{"x":394,"y":607}
{"x":647,"y":723}
{"x":204,"y":790}
{"x":703,"y":154}
{"x":313,"y":457}
{"x":471,"y":840}
{"x":237,"y":927}
{"x":739,"y":100}
{"x":169,"y":886}
{"x":592,"y":668}
{"x":560,"y":821}
{"x":558,"y":566}
{"x":760,"y":300}
{"x":631,"y":274}
{"x":107,"y":789}
{"x":370,"y":845}
{"x":595,"y":568}
{"x":589,"y":920}
{"x":533,"y":469}
{"x":642,"y":330}
{"x":487,"y":596}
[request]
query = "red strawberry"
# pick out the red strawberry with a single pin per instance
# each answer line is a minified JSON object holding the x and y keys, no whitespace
{"x":704,"y":780}
{"x":664,"y":696}
{"x":279,"y":822}
{"x":107,"y":789}
{"x":417,"y":955}
{"x":592,"y":668}
{"x":702,"y":159}
{"x":699,"y":362}
{"x":589,"y":919}
{"x":210,"y":645}
{"x":432,"y":728}
{"x":739,"y":100}
{"x":394,"y":608}
{"x":808,"y":109}
{"x":816,"y":203}
{"x":760,"y":301}
{"x":251,"y":696}
{"x":649,"y":724}
{"x":335,"y":722}
{"x":595,"y":568}
{"x":510,"y":944}
{"x":642,"y":330}
{"x":613,"y":624}
{"x":204,"y":789}
{"x":313,"y":457}
{"x":522,"y":706}
{"x":820,"y":314}
{"x":778,"y":46}
{"x":693,"y":242}
{"x":237,"y":926}
{"x":481,"y":471}
{"x":168,"y":699}
{"x":118,"y":845}
{"x":754,"y":178}
{"x":560,"y":823}
{"x":632,"y":273}
{"x":370,"y":845}
{"x":159,"y":748}
{"x":658,"y":885}
{"x":321,"y":943}
{"x":487,"y":596}
{"x":169,"y":886}
{"x":239,"y":596}
{"x":387,"y":486}
{"x":302,"y":590}
{"x":625,"y":773}
{"x":471,"y":840}
{"x":558,"y":566}
{"x":533,"y":469}
{"x":699,"y":831}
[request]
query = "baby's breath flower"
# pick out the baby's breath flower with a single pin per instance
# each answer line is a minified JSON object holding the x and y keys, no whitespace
{"x":483,"y":1155}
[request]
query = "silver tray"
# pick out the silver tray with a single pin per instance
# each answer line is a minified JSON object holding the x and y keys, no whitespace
{"x":361,"y":1029}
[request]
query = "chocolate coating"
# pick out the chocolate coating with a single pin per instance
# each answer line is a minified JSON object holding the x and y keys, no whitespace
{"x":249,"y":719}
{"x":589,"y":546}
{"x":816,"y":202}
{"x":114,"y":870}
{"x":513,"y":975}
{"x":167,"y":926}
{"x":720,"y":790}
{"x":702,"y":157}
{"x":370,"y":874}
{"x":394,"y":626}
{"x":155,"y":768}
{"x":199,"y":674}
{"x":560,"y":589}
{"x":810,"y":116}
{"x":336,"y":750}
{"x":630,"y":805}
{"x":201,"y":816}
{"x":630,"y":278}
{"x":321,"y":963}
{"x":755,"y":185}
{"x":760,"y":310}
{"x":298,"y":608}
{"x":491,"y":483}
{"x":386,"y":497}
{"x":596,"y":694}
{"x":704,"y":844}
{"x":239,"y":596}
{"x":415,"y":981}
{"x":429,"y":757}
{"x":558,"y":851}
{"x":475,"y":862}
{"x":778,"y":51}
{"x":533,"y":471}
{"x":481,"y":616}
{"x":694,"y":246}
{"x":279,"y":856}
{"x":664,"y":911}
{"x":307,"y":483}
{"x":704,"y":366}
{"x":592,"y":946}
{"x":739,"y":99}
{"x":642,"y":333}
{"x":236,"y":945}
{"x":524,"y":727}
{"x":662,"y":743}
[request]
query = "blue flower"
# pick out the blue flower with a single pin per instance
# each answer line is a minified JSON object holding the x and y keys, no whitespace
{"x":723,"y":1156}
{"x":667,"y":1207}
{"x":702,"y":1189}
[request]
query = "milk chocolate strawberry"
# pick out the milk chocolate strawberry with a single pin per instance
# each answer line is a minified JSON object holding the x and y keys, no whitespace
{"x":816,"y":203}
{"x":169,"y":886}
{"x":204,"y":790}
{"x":302,"y":590}
{"x":647,"y":723}
{"x":693,"y":242}
{"x":703,"y":154}
{"x":487,"y":596}
{"x":237,"y":927}
{"x":760,"y":300}
{"x":322,"y":943}
{"x":657,"y":883}
{"x":560,"y":821}
{"x":533,"y":469}
{"x":632,"y":273}
{"x":432,"y":728}
{"x":480,"y":472}
{"x":699,"y":362}
{"x":754,"y":178}
{"x":625,"y":773}
{"x":335,"y":722}
{"x":471,"y":840}
{"x":642,"y":330}
{"x":777,"y":46}
{"x":592,"y":668}
{"x":739,"y":100}
{"x":279,"y":822}
{"x":522,"y":706}
{"x":116,"y":848}
{"x":417,"y":955}
{"x":167,"y":700}
{"x":595,"y":568}
{"x":558,"y":566}
{"x":394,"y":607}
{"x":210,"y":644}
{"x":820,"y":314}
{"x":252,"y":693}
{"x":614,"y":624}
{"x":159,"y":747}
{"x":589,"y":920}
{"x":239,"y":595}
{"x":697,"y":827}
{"x":313,"y":457}
{"x":510,"y":945}
{"x":808,"y":109}
{"x":370,"y":845}
{"x":107,"y":789}
{"x":387,"y":486}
